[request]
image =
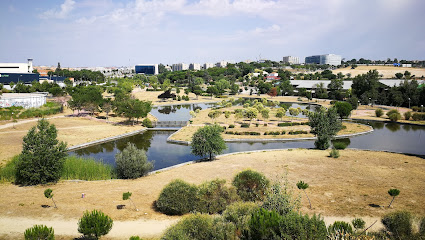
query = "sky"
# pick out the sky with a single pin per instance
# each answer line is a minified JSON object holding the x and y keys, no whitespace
{"x":88,"y":33}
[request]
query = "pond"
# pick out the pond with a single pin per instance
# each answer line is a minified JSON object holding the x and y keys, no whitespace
{"x":386,"y":136}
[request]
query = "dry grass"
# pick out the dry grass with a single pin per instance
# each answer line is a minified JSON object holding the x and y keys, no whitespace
{"x":387,"y":71}
{"x":347,"y":186}
{"x":74,"y":131}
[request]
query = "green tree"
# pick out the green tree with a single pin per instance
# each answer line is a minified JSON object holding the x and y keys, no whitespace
{"x":94,"y":224}
{"x":42,"y":157}
{"x":208,"y":141}
{"x":343,"y":109}
{"x":399,"y":75}
{"x":365,"y":86}
{"x":39,"y":232}
{"x":294,"y":112}
{"x":251,"y":113}
{"x":213,"y":91}
{"x":303,"y":186}
{"x":280,"y":113}
{"x":335,"y":88}
{"x":132,"y":108}
{"x":324,"y":125}
{"x":132,"y":162}
{"x":393,"y":192}
{"x":48,"y":193}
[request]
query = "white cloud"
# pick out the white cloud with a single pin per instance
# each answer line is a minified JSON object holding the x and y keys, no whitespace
{"x":61,"y":13}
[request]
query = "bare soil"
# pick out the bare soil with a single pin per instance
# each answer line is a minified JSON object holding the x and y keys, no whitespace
{"x":386,"y":71}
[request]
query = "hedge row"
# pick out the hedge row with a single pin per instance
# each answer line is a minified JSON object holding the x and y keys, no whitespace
{"x":268,"y":133}
{"x":285,"y":124}
{"x":242,"y":133}
{"x":418,"y":116}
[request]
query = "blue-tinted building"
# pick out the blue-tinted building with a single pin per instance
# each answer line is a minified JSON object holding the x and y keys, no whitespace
{"x":148,"y":69}
{"x":6,"y":78}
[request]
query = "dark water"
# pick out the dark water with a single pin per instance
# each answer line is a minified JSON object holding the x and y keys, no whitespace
{"x":386,"y":136}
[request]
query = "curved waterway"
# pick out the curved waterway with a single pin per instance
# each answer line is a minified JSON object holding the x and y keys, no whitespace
{"x":391,"y":137}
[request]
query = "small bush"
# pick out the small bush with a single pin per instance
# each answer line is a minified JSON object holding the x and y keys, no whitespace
{"x":251,"y":185}
{"x":200,"y":226}
{"x":418,"y":116}
{"x":358,"y":223}
{"x":39,"y":232}
{"x":94,"y":224}
{"x":334,"y":153}
{"x":340,"y":226}
{"x":177,"y":198}
{"x":379,"y":112}
{"x":422,"y":227}
{"x":147,"y":123}
{"x":407,"y":115}
{"x":285,"y":124}
{"x":394,"y":117}
{"x":245,"y":125}
{"x":132,"y":162}
{"x":214,"y":196}
{"x":134,"y":238}
{"x":297,"y":132}
{"x":239,"y":213}
{"x":231,"y":126}
{"x":399,"y":224}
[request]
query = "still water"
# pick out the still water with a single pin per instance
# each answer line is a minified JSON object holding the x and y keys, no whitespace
{"x":392,"y":137}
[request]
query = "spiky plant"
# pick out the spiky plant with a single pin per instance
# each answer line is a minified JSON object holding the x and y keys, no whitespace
{"x":303,"y":186}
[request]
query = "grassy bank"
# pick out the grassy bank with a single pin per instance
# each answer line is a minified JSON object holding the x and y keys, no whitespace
{"x":74,"y":168}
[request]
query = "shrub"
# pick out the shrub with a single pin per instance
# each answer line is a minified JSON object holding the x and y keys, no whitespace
{"x":177,"y":198}
{"x":245,"y":125}
{"x":231,"y":126}
{"x":285,"y":124}
{"x":147,"y":123}
{"x":279,"y":198}
{"x":94,"y":224}
{"x":39,"y":232}
{"x":134,"y":238}
{"x":251,"y":185}
{"x":322,"y":142}
{"x":407,"y":115}
{"x":132,"y":162}
{"x":394,"y":115}
{"x":339,"y":226}
{"x":214,"y":196}
{"x":399,"y":224}
{"x":358,"y":223}
{"x":379,"y":112}
{"x":334,"y":153}
{"x":266,"y":224}
{"x":339,"y":145}
{"x":200,"y":226}
{"x":418,"y":116}
{"x":422,"y":227}
{"x":239,"y":213}
{"x":416,"y":109}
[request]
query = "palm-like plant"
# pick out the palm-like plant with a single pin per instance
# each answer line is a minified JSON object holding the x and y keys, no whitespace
{"x":126,"y":196}
{"x":48,"y":193}
{"x":303,"y":186}
{"x":393,"y":192}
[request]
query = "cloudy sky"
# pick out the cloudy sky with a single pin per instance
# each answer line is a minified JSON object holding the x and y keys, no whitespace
{"x":127,"y":32}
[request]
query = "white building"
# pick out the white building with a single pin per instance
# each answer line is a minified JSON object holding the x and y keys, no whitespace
{"x":180,"y":67}
{"x":16,"y":67}
{"x":25,"y":100}
{"x":330,"y":59}
{"x":195,"y":66}
{"x":208,"y":65}
{"x":291,"y":60}
{"x":221,"y":64}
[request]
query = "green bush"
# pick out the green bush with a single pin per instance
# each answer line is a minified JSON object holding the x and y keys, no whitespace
{"x":39,"y":232}
{"x":285,"y":124}
{"x":214,"y":196}
{"x":94,"y":224}
{"x":422,"y":227}
{"x":399,"y":224}
{"x":379,"y":112}
{"x":418,"y":116}
{"x":86,"y":169}
{"x":339,"y":226}
{"x":407,"y":115}
{"x":200,"y":227}
{"x":280,"y":198}
{"x":322,"y":142}
{"x":251,"y":185}
{"x":358,"y":223}
{"x":239,"y":213}
{"x":245,"y":125}
{"x":8,"y":172}
{"x":339,"y":145}
{"x":231,"y":126}
{"x":297,"y":132}
{"x":334,"y":153}
{"x":177,"y":198}
{"x":134,"y":238}
{"x":132,"y":162}
{"x":394,"y":117}
{"x":266,"y":224}
{"x":147,"y":123}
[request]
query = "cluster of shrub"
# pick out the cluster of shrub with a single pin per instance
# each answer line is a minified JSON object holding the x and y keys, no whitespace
{"x":184,"y":97}
{"x":49,"y":108}
{"x":394,"y":115}
{"x":267,"y":133}
{"x":285,"y":124}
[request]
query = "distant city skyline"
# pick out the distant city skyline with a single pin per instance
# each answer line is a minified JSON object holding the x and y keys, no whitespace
{"x":89,"y":33}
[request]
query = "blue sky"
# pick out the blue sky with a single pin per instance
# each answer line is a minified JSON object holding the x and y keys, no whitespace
{"x":126,"y":32}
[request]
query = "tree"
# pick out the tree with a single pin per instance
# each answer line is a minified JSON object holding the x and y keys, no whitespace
{"x":343,"y":109}
{"x":107,"y":108}
{"x":39,"y":232}
{"x":213,"y":91}
{"x":126,"y":196}
{"x":251,"y":185}
{"x":324,"y":125}
{"x":294,"y":112}
{"x":365,"y":86}
{"x":399,"y":75}
{"x":280,"y":113}
{"x":251,"y":113}
{"x":265,"y":113}
{"x":132,"y":108}
{"x":335,"y":89}
{"x":42,"y":157}
{"x":303,"y":186}
{"x":207,"y":141}
{"x":132,"y":162}
{"x":48,"y":193}
{"x":393,"y":192}
{"x":273,"y":92}
{"x":94,"y":224}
